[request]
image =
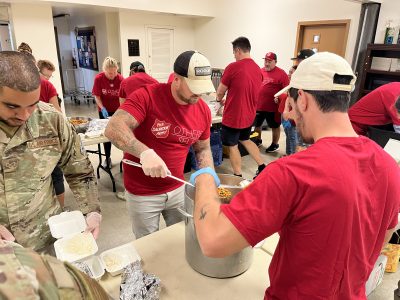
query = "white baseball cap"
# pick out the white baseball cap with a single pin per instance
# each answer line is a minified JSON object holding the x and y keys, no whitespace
{"x":317,"y":73}
{"x":196,"y":70}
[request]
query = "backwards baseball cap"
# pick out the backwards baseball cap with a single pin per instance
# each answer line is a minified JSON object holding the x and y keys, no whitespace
{"x":270,"y":56}
{"x":136,"y":64}
{"x":196,"y":70}
{"x":304,"y":53}
{"x":317,"y":74}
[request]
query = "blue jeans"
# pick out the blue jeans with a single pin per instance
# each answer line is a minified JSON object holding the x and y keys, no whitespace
{"x":291,"y":137}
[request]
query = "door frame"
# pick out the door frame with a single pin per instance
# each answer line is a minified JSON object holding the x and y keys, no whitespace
{"x":302,"y":25}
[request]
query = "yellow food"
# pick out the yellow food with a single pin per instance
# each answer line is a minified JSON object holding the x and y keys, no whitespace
{"x":224,"y":194}
{"x":113,"y":261}
{"x":80,"y":244}
{"x":78,"y":121}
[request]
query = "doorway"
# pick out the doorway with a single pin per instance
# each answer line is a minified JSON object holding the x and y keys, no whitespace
{"x":328,"y":35}
{"x":160,"y":43}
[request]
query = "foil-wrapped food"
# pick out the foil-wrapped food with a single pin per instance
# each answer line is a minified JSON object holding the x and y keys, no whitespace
{"x":137,"y":285}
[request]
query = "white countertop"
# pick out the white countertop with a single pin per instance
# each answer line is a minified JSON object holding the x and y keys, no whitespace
{"x":163,"y":254}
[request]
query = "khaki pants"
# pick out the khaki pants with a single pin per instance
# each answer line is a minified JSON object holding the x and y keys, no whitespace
{"x":145,"y":211}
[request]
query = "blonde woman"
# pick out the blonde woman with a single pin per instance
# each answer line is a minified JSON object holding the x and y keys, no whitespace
{"x":106,"y":90}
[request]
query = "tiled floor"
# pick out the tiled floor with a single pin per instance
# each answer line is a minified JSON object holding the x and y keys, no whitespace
{"x":116,"y":226}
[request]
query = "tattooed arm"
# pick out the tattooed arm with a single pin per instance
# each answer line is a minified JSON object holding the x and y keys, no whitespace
{"x":218,"y":237}
{"x":202,"y":149}
{"x":120,"y":132}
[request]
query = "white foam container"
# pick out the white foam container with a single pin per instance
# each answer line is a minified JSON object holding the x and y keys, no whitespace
{"x":126,"y":253}
{"x":67,"y":226}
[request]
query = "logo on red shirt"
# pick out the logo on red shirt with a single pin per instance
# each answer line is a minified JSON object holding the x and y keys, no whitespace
{"x":160,"y":129}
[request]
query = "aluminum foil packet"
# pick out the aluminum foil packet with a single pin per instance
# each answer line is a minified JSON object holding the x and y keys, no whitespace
{"x":83,"y":267}
{"x":137,"y":285}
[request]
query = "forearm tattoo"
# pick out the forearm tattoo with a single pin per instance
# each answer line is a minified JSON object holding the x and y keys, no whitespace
{"x":203,"y":153}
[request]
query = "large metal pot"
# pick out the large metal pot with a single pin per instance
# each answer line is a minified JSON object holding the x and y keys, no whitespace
{"x":214,"y":267}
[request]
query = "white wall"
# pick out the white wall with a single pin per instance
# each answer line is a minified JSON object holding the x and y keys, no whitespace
{"x":133,"y":26}
{"x":390,"y":10}
{"x":5,"y":39}
{"x":113,"y":37}
{"x":33,"y":24}
{"x":270,"y":26}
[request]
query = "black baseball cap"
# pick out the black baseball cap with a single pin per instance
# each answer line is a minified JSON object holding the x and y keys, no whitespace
{"x":304,"y":53}
{"x":136,"y":64}
{"x":195,"y":68}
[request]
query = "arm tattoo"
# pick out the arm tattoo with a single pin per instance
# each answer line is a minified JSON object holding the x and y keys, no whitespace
{"x":120,"y":132}
{"x":203,"y":153}
{"x":203,"y":213}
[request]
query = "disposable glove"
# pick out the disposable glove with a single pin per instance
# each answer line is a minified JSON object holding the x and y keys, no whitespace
{"x":153,"y":165}
{"x":5,"y":234}
{"x":207,"y":170}
{"x":104,"y":112}
{"x":93,"y":221}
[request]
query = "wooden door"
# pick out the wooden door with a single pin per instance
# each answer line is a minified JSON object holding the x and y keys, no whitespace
{"x":323,"y":36}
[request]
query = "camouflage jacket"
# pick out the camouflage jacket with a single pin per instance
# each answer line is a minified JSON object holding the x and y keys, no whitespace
{"x":27,"y":275}
{"x":27,"y":197}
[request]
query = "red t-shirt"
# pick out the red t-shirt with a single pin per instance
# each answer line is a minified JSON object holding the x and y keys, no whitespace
{"x":169,"y":129}
{"x":281,"y":106}
{"x":134,"y":82}
{"x":273,"y":82}
{"x":171,"y":77}
{"x":332,"y":205}
{"x":376,"y":108}
{"x":107,"y":90}
{"x":243,"y":79}
{"x":47,"y":90}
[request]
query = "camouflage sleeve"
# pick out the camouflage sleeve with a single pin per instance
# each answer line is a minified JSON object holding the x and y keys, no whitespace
{"x":77,"y":168}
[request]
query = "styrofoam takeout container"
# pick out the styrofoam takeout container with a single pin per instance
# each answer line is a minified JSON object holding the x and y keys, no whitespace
{"x":124,"y":254}
{"x":67,"y":226}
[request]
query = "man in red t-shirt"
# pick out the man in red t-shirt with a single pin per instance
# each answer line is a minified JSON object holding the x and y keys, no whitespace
{"x":155,"y":127}
{"x":377,"y":108}
{"x":274,"y":79}
{"x":242,"y":79}
{"x":137,"y":79}
{"x":334,"y":204}
{"x":106,"y":90}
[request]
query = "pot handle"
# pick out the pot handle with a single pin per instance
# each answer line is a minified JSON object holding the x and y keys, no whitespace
{"x":184,"y":213}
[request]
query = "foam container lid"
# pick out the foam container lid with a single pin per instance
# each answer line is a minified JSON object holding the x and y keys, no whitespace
{"x":67,"y":223}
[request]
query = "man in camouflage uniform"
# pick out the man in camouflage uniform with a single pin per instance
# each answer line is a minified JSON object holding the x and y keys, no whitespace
{"x":24,"y":274}
{"x":35,"y":138}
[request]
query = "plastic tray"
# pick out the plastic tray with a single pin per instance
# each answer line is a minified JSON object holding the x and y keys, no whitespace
{"x":124,"y":255}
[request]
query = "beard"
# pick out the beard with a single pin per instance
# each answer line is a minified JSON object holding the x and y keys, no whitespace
{"x":191,"y":100}
{"x":300,"y":125}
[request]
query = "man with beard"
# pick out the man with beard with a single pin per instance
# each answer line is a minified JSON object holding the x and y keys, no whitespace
{"x":334,"y":204}
{"x":155,"y":127}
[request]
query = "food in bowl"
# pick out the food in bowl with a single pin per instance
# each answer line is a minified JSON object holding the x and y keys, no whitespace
{"x":77,"y":122}
{"x":113,"y":261}
{"x":80,"y":245}
{"x":224,"y":195}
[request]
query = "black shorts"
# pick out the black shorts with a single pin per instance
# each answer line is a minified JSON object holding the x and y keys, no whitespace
{"x":58,"y":181}
{"x":271,"y":118}
{"x":232,"y":136}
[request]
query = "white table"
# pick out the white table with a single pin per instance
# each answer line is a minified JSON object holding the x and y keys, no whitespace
{"x":163,"y":254}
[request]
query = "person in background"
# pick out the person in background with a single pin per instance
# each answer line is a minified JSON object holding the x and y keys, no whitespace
{"x":24,"y":47}
{"x":137,"y":78}
{"x":320,"y":200}
{"x":242,"y":80}
{"x":34,"y":139}
{"x":28,"y":275}
{"x":274,"y":79}
{"x":377,"y":109}
{"x":106,"y":92}
{"x":155,"y":127}
{"x":302,"y":55}
{"x":48,"y":92}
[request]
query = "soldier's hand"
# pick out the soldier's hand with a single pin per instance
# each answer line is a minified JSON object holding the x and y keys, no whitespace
{"x":152,"y":164}
{"x":5,"y":234}
{"x":93,"y":221}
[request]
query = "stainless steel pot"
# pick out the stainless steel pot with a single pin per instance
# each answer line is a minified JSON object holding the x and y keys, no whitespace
{"x":214,"y":267}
